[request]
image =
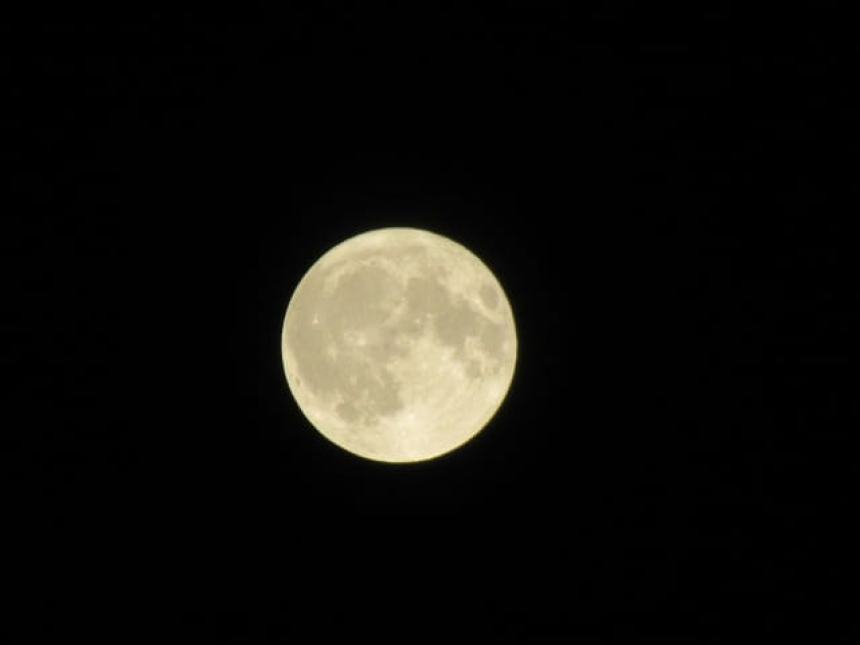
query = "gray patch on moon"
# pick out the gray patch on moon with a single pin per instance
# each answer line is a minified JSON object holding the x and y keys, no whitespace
{"x":473,"y":369}
{"x":425,"y":296}
{"x":342,"y":362}
{"x":489,"y":296}
{"x":346,"y":411}
{"x":454,"y":319}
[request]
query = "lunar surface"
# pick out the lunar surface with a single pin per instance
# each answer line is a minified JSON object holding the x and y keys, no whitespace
{"x":399,"y":345}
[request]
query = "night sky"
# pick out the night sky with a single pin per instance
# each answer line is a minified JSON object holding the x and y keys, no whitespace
{"x":664,"y":207}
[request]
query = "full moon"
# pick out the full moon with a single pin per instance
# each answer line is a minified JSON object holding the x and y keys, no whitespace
{"x":399,"y":345}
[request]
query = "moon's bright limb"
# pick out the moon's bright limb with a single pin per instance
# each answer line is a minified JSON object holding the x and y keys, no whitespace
{"x":399,"y":345}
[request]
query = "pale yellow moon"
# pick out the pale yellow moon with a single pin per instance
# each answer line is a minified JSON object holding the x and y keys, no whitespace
{"x":399,"y":345}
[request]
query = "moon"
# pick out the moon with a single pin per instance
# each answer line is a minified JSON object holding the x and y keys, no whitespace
{"x":399,"y":345}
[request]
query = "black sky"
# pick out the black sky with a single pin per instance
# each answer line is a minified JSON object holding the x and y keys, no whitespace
{"x":664,"y":206}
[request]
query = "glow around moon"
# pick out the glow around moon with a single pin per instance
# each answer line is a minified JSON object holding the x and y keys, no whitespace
{"x":399,"y":345}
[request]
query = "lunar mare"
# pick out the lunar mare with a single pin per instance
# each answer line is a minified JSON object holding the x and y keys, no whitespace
{"x":399,"y":345}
